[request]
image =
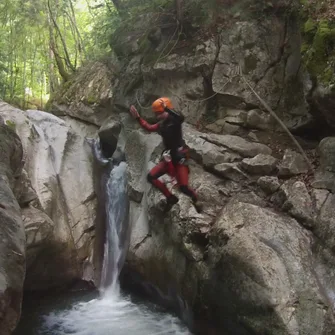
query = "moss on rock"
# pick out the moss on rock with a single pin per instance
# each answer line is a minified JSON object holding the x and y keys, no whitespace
{"x":318,"y":47}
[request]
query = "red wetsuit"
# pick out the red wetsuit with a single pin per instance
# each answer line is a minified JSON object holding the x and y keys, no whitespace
{"x":171,"y":131}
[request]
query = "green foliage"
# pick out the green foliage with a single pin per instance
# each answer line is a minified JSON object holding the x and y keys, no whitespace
{"x":309,"y":27}
{"x":44,"y":41}
{"x":318,"y":47}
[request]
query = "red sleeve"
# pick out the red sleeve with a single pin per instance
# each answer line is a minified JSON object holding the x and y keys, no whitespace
{"x":147,"y":126}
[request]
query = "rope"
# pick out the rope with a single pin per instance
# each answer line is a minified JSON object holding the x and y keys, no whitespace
{"x":267,"y":107}
{"x":174,"y":45}
{"x":167,"y":44}
{"x":210,"y":97}
{"x":274,"y":115}
{"x":200,"y":100}
{"x":142,"y":107}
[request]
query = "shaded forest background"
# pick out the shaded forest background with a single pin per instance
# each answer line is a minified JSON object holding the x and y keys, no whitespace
{"x":43,"y":42}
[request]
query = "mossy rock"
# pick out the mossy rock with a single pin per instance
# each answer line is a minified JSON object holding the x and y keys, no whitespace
{"x":11,"y":125}
{"x":92,"y":99}
{"x":318,"y":49}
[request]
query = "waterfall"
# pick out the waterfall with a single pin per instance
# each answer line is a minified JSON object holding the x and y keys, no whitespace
{"x":114,"y":187}
{"x":117,"y":207}
{"x":113,"y":312}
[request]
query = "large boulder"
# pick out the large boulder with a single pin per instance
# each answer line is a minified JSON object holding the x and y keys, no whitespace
{"x":293,"y":163}
{"x":238,"y":145}
{"x":260,"y":164}
{"x":59,"y":168}
{"x":261,"y":271}
{"x":88,"y":94}
{"x":12,"y":235}
{"x":246,"y":268}
{"x":212,"y":149}
{"x":256,"y":275}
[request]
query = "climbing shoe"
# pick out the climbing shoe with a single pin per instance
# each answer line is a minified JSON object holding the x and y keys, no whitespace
{"x":170,"y":201}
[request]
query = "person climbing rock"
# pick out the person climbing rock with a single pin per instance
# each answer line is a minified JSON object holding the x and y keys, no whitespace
{"x":169,"y":127}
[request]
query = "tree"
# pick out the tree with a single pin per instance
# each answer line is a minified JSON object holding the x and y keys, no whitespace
{"x":179,"y":4}
{"x":43,"y":42}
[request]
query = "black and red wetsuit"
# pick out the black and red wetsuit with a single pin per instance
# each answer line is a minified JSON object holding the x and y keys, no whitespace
{"x":171,"y":131}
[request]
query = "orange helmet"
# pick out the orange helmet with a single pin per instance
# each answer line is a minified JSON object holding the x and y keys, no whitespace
{"x":158,"y":105}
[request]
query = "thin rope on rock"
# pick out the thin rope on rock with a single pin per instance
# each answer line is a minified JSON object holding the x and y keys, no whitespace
{"x":267,"y":107}
{"x":200,"y":100}
{"x":274,"y":115}
{"x":168,"y":54}
{"x":167,"y":44}
{"x":210,"y":97}
{"x":142,"y":107}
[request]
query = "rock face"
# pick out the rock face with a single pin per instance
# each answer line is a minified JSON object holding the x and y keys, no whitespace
{"x":39,"y":233}
{"x":294,"y":198}
{"x":255,"y":47}
{"x":323,"y":102}
{"x":326,"y":222}
{"x":250,"y":245}
{"x":251,"y":266}
{"x":201,"y":76}
{"x":246,"y":263}
{"x":12,"y":235}
{"x":325,"y":176}
{"x":88,"y":96}
{"x":58,"y":199}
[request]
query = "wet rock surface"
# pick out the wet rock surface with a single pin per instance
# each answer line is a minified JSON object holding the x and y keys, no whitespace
{"x":12,"y":234}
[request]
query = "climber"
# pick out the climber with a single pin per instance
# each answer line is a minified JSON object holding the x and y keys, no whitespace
{"x":169,"y":127}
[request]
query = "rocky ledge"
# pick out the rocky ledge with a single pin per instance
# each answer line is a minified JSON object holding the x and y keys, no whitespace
{"x":250,"y":262}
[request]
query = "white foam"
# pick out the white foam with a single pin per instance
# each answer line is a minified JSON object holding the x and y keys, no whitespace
{"x":111,"y":315}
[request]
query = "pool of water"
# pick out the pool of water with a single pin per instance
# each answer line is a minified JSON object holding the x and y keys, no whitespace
{"x":88,"y":313}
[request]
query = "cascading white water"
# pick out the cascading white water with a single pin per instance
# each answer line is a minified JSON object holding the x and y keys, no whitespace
{"x":112,"y":313}
{"x":116,"y":212}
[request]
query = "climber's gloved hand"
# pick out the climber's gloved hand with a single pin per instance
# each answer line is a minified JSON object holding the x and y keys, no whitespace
{"x":134,"y":112}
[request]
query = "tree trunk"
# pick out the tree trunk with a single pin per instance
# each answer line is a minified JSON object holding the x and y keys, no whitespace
{"x":54,"y":53}
{"x":67,"y":57}
{"x":179,"y":4}
{"x":81,"y":46}
{"x":24,"y":105}
{"x":33,"y":51}
{"x":59,"y":62}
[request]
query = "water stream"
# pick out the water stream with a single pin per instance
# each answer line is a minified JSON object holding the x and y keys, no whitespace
{"x":111,"y":312}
